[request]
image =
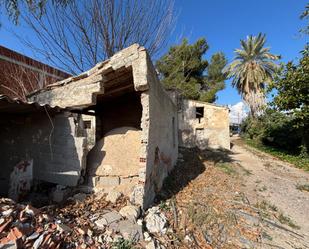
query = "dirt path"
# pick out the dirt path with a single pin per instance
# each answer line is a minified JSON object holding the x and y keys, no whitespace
{"x":235,"y":199}
{"x":271,"y":185}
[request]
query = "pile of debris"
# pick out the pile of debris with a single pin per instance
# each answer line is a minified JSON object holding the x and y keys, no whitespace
{"x":84,"y":221}
{"x":183,"y":218}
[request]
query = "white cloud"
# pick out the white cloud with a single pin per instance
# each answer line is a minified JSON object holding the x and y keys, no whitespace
{"x":238,"y":112}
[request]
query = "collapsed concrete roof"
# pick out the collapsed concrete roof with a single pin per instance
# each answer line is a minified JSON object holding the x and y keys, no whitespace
{"x":124,"y":72}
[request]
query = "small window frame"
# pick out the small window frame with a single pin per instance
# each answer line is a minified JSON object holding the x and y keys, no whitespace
{"x":199,"y":113}
{"x":87,"y":124}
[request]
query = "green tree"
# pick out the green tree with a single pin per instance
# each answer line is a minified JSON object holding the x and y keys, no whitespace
{"x":252,"y":68}
{"x":184,"y":69}
{"x":275,"y":129}
{"x":293,"y":94}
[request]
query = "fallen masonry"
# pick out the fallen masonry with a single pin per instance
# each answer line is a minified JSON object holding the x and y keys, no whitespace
{"x":92,"y":223}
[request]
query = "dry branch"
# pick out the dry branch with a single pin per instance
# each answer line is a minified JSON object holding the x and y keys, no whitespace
{"x":76,"y":37}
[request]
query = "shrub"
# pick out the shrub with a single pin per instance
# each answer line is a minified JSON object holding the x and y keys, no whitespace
{"x":274,"y":129}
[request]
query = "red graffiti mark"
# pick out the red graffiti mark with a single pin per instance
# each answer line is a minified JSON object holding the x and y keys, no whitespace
{"x":157,"y":158}
{"x":142,"y":159}
{"x":161,"y":158}
{"x":165,"y":159}
{"x":22,"y":165}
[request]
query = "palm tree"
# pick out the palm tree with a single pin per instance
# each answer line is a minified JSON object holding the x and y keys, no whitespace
{"x":252,"y":68}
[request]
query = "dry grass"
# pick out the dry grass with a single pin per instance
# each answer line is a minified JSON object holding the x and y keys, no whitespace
{"x":268,"y":210}
{"x":203,"y":188}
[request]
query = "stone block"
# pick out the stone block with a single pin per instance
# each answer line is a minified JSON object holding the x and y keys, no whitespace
{"x":130,"y":231}
{"x":60,"y":193}
{"x":137,"y":195}
{"x":107,"y":181}
{"x":108,"y":219}
{"x":113,"y":196}
{"x":130,"y":212}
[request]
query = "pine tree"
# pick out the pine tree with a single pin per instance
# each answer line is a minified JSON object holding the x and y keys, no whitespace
{"x":184,"y":69}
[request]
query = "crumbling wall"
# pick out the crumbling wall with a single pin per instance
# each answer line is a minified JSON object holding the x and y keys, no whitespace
{"x":127,"y":71}
{"x":58,"y":154}
{"x":78,"y":93}
{"x":159,"y":137}
{"x":209,"y":131}
{"x":114,"y":161}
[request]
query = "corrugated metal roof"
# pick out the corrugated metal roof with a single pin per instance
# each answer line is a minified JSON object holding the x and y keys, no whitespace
{"x":13,"y":106}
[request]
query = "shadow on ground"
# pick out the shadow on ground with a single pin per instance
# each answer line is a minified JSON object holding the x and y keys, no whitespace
{"x":191,"y":163}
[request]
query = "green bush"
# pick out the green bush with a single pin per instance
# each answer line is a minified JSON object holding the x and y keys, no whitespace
{"x":274,"y":129}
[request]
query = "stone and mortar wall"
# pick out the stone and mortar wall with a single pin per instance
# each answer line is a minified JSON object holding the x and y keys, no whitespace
{"x":58,"y":155}
{"x":211,"y":131}
{"x":90,"y":131}
{"x":113,"y":162}
{"x":159,"y":141}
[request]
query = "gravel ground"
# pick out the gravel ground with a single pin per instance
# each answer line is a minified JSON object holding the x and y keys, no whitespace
{"x":274,"y":184}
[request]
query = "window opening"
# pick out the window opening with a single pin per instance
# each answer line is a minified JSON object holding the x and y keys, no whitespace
{"x":87,"y":124}
{"x":199,"y":113}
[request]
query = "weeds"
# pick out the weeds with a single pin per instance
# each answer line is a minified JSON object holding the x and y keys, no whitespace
{"x":299,"y":161}
{"x":227,"y":168}
{"x":164,"y":206}
{"x":303,"y":187}
{"x":265,"y":207}
{"x":198,"y":216}
{"x":267,"y":236}
{"x":287,"y":221}
{"x":122,"y":244}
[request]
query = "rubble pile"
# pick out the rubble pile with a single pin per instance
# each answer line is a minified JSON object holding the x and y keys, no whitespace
{"x":83,"y":221}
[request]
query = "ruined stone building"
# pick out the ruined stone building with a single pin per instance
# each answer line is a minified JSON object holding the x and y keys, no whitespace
{"x":113,"y":127}
{"x":131,"y":123}
{"x":20,"y":75}
{"x":201,"y":124}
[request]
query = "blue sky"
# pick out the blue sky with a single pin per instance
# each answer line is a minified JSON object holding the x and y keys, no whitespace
{"x":223,"y":23}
